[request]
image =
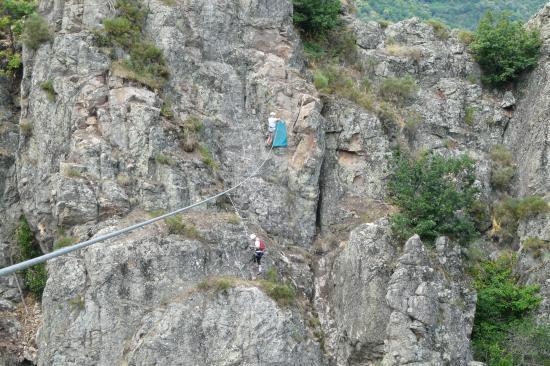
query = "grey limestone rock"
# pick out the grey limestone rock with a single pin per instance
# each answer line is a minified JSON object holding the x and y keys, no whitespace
{"x":432,"y":307}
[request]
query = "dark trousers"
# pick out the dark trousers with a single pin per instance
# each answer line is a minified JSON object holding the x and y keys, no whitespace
{"x":258,"y":257}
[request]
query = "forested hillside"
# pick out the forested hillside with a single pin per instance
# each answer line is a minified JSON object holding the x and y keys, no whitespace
{"x":458,"y":14}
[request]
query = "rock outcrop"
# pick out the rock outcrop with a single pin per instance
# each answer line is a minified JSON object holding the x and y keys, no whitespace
{"x":378,"y":302}
{"x":111,"y":304}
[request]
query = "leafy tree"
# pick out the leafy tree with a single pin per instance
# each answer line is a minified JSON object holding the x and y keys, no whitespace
{"x":316,"y":17}
{"x":503,"y":306}
{"x":436,"y":196}
{"x":12,"y":15}
{"x":504,"y":48}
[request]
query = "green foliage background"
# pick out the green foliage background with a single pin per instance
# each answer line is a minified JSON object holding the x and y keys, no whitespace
{"x":458,"y":14}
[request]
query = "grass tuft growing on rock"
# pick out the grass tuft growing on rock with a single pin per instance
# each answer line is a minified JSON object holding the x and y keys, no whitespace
{"x":164,"y":159}
{"x":469,"y":114}
{"x":536,"y":246}
{"x":440,"y":29}
{"x":503,"y":168}
{"x":64,"y":241}
{"x":71,"y":172}
{"x":176,"y":226}
{"x":48,"y":88}
{"x":282,"y":293}
{"x":466,"y":37}
{"x":207,"y":157}
{"x":217,"y":284}
{"x":414,"y":53}
{"x":508,"y":212}
{"x":26,"y":129}
{"x":398,"y":90}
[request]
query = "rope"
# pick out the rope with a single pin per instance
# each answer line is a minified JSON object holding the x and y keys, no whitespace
{"x":66,"y":250}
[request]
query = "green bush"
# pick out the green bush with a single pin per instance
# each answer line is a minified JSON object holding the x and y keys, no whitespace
{"x":271,"y":275}
{"x":166,"y":109}
{"x":314,"y":50}
{"x":504,"y":48}
{"x":146,"y":63}
{"x":35,"y":31}
{"x":398,"y":90}
{"x":436,"y":196}
{"x":175,"y":225}
{"x":320,"y":80}
{"x":120,"y":31}
{"x":281,"y":293}
{"x":36,"y":276}
{"x":316,"y":17}
{"x":502,"y":306}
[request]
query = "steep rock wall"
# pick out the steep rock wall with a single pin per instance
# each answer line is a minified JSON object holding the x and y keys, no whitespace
{"x":92,"y":165}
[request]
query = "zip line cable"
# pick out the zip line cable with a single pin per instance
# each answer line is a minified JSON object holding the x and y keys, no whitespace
{"x":66,"y":250}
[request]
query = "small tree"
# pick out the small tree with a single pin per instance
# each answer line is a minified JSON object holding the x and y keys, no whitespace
{"x":316,"y":17}
{"x":436,"y":196}
{"x":502,"y":315}
{"x":504,"y":48}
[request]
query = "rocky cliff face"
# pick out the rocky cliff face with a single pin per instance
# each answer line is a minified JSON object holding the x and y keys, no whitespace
{"x":102,"y":154}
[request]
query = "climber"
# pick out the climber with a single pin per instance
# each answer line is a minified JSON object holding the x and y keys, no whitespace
{"x":259,"y":249}
{"x":271,"y":124}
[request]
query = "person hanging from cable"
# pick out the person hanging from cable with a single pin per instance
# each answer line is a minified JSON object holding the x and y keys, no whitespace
{"x":271,"y":124}
{"x":259,"y":249}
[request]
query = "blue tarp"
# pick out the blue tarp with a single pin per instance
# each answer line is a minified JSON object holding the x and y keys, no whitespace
{"x":279,"y":140}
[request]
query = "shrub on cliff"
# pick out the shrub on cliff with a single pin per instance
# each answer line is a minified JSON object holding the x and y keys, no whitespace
{"x":504,"y":48}
{"x":34,"y":277}
{"x":501,"y":318}
{"x":146,"y":63}
{"x":12,"y":16}
{"x":316,"y":17}
{"x":436,"y":196}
